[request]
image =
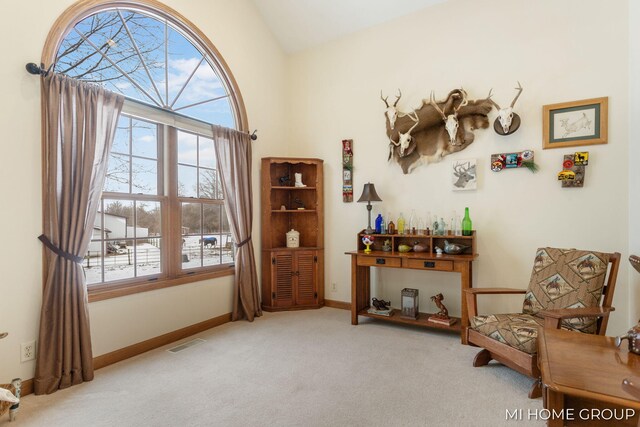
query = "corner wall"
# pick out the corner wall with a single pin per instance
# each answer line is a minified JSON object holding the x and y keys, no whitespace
{"x":259,"y":66}
{"x":559,"y":51}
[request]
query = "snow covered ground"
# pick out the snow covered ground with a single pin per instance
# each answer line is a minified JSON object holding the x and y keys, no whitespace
{"x":144,"y":259}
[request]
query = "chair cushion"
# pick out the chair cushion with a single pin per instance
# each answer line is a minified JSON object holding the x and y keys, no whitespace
{"x":516,"y":330}
{"x":567,"y":278}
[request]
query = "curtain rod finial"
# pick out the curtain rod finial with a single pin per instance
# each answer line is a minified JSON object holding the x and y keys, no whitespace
{"x":253,"y":135}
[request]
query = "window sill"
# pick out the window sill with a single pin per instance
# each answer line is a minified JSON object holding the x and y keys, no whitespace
{"x":108,"y":291}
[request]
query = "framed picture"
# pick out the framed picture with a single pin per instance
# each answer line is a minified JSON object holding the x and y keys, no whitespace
{"x":463,"y":174}
{"x":571,"y":124}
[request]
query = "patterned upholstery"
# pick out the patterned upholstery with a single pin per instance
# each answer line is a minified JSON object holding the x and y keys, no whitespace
{"x":516,"y":330}
{"x":561,"y":278}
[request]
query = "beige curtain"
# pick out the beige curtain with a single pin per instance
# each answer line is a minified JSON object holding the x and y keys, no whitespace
{"x":233,"y":152}
{"x":79,"y":124}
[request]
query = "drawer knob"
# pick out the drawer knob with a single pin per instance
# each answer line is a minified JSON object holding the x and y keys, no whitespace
{"x":381,"y":261}
{"x":429,"y":264}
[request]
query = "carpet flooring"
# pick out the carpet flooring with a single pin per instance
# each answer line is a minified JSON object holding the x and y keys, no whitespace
{"x":300,"y":368}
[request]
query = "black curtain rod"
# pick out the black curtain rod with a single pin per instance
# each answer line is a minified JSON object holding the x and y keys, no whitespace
{"x":40,"y":70}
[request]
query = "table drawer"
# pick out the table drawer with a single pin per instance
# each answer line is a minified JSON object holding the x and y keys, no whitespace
{"x":423,"y":264}
{"x":380,"y":261}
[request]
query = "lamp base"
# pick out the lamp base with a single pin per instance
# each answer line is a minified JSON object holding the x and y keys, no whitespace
{"x":369,"y":230}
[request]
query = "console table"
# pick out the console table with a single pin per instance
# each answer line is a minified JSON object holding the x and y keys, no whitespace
{"x":583,"y":372}
{"x":361,"y":263}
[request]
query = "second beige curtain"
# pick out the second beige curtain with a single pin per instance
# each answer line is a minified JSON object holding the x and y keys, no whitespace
{"x":233,"y":152}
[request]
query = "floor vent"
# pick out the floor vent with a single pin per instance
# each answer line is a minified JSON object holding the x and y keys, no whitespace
{"x":186,"y":345}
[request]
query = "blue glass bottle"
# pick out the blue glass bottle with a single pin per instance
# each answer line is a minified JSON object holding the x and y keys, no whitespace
{"x":379,"y":224}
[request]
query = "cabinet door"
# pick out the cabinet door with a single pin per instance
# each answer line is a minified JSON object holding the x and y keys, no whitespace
{"x":282,"y":280}
{"x":306,"y":278}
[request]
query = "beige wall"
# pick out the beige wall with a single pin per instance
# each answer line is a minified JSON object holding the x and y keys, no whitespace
{"x":559,"y":51}
{"x":304,"y":105}
{"x":258,"y":65}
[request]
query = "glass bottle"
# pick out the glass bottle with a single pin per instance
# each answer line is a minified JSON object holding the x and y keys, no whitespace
{"x":379,"y":223}
{"x":413,"y":223}
{"x":383,"y":227}
{"x":466,"y":223}
{"x":401,"y":229}
{"x":441,"y":227}
{"x":392,"y":228}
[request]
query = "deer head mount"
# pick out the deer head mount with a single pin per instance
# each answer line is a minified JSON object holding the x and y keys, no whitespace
{"x":404,"y":139}
{"x":507,"y":121}
{"x":451,"y":120}
{"x":436,"y":129}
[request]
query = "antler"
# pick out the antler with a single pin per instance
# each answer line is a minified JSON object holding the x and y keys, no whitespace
{"x":519,"y":89}
{"x":415,"y":118}
{"x":397,"y":98}
{"x":464,"y":102}
{"x":491,"y":100}
{"x":432,"y":101}
{"x":384,"y":99}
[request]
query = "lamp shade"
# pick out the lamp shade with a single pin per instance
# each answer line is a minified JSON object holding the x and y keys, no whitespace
{"x":369,"y":194}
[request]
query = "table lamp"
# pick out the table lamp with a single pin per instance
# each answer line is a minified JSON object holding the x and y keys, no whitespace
{"x":369,"y":195}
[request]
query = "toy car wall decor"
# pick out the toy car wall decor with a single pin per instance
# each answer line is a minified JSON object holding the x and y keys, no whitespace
{"x":513,"y":160}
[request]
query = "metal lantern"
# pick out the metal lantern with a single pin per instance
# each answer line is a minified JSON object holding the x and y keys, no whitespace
{"x":409,"y":303}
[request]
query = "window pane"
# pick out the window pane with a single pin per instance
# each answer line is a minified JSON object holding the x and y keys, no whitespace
{"x":187,"y":181}
{"x":211,"y":232}
{"x":145,"y":139}
{"x":208,"y":184}
{"x":118,"y":260}
{"x":145,"y":176}
{"x":148,"y":217}
{"x":148,"y":256}
{"x":117,"y":179}
{"x":118,"y":219}
{"x":218,"y":112}
{"x":207,"y":153}
{"x":92,"y":263}
{"x":121,"y":137}
{"x":187,"y":148}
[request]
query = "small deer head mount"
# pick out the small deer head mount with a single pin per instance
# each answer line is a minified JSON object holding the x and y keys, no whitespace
{"x":391,"y":112}
{"x":405,"y":139}
{"x":451,"y":120}
{"x":507,"y":122}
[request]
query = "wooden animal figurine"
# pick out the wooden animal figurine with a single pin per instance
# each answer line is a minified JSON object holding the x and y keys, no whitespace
{"x":443,"y":313}
{"x":380,"y":304}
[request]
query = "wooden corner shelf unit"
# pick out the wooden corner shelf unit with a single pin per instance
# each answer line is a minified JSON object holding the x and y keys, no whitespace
{"x":292,"y":278}
{"x":428,"y":260}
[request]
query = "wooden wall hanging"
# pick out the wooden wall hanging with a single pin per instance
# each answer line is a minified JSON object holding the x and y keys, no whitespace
{"x":513,"y":160}
{"x":573,"y":169}
{"x":347,"y":170}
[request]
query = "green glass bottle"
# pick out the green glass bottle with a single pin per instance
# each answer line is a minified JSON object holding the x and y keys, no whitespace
{"x":466,"y":223}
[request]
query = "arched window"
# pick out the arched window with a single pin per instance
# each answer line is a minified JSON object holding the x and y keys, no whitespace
{"x":162,"y":219}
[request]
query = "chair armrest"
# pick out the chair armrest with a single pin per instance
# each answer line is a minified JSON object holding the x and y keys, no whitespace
{"x":553,"y":318}
{"x":472,"y":293}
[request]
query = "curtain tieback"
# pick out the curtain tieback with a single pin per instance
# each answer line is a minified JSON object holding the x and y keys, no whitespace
{"x":66,"y":255}
{"x":244,"y":242}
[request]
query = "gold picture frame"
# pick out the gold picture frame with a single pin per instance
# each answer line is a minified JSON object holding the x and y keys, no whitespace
{"x":571,"y":124}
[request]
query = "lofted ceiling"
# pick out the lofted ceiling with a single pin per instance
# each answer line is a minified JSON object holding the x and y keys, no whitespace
{"x":301,"y":24}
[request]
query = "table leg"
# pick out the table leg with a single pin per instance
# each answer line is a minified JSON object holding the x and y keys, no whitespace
{"x":466,"y":282}
{"x":354,"y":290}
{"x":554,"y":402}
